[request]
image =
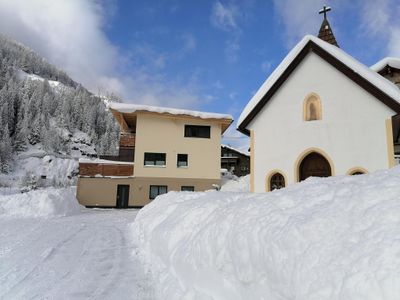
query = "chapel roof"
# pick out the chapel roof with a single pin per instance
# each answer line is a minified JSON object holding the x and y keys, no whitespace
{"x":371,"y":81}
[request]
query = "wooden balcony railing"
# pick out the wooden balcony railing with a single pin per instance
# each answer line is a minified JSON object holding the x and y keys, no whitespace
{"x":104,"y":168}
{"x":127,"y":140}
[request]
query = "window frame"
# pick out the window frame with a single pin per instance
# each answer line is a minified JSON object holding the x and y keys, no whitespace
{"x":198,"y":135}
{"x":154,"y":160}
{"x":158,"y":190}
{"x":177,"y":160}
{"x":187,"y":188}
{"x":312,"y":100}
{"x":269,"y":183}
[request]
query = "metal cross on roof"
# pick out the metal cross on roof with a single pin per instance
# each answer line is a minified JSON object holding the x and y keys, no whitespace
{"x":325,"y":10}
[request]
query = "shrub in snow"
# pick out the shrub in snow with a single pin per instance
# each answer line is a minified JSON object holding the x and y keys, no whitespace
{"x":325,"y":238}
{"x":29,"y":182}
{"x":40,"y":203}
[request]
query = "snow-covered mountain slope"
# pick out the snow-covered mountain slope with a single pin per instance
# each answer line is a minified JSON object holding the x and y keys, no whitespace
{"x":35,"y":168}
{"x":326,"y":238}
{"x":43,"y":112}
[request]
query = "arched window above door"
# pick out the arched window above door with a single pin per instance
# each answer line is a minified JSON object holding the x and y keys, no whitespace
{"x":312,"y":108}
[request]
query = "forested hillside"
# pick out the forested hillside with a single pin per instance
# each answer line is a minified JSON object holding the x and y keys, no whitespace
{"x":41,"y":105}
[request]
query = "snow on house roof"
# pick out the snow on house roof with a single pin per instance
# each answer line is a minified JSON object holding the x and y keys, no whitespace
{"x":393,"y":62}
{"x":234,"y":149}
{"x":131,"y":108}
{"x":372,"y":77}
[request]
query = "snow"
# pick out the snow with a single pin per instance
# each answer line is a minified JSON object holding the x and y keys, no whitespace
{"x":60,"y":169}
{"x":22,"y":75}
{"x":85,"y":256}
{"x":236,"y":184}
{"x":374,"y":78}
{"x":49,"y":202}
{"x":325,"y":238}
{"x":131,"y":108}
{"x":53,"y":83}
{"x":393,"y":62}
{"x":104,"y":161}
{"x":237,"y":150}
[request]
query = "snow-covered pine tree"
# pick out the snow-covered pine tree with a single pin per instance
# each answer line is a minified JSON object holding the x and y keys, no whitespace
{"x":5,"y":151}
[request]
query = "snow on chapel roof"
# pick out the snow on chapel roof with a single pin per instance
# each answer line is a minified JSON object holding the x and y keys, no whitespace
{"x":393,"y":62}
{"x":354,"y":65}
{"x":132,"y":108}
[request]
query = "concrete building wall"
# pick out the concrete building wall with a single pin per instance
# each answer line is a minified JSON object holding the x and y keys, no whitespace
{"x":165,"y":134}
{"x":352,"y":131}
{"x":103,"y":191}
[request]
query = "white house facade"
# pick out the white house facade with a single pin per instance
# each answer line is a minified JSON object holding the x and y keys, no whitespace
{"x":320,"y":113}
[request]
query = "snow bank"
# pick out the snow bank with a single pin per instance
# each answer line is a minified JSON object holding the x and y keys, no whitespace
{"x":236,"y":184}
{"x":41,"y":203}
{"x":326,"y":238}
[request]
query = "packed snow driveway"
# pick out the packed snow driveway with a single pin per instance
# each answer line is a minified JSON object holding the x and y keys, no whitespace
{"x":84,"y":256}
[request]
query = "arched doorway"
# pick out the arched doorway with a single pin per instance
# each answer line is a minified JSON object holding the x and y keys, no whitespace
{"x":314,"y":164}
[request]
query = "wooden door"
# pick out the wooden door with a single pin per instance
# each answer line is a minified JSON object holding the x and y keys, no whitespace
{"x":316,"y":165}
{"x":122,"y":196}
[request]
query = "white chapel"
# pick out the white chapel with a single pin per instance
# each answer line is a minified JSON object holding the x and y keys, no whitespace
{"x":322,"y":113}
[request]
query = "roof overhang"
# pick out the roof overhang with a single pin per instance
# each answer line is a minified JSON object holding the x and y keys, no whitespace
{"x":127,"y":120}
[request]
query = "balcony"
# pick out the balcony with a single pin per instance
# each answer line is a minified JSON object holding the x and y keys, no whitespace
{"x":105,"y":168}
{"x":127,"y":140}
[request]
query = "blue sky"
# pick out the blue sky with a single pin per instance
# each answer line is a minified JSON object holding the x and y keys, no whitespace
{"x":207,"y":55}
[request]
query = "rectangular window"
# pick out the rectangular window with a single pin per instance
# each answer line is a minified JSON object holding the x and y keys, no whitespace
{"x":197,"y":131}
{"x":187,"y":188}
{"x":182,"y":160}
{"x":154,"y":159}
{"x":156,"y":190}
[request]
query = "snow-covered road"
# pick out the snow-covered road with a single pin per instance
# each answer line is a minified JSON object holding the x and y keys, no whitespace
{"x":86,"y":256}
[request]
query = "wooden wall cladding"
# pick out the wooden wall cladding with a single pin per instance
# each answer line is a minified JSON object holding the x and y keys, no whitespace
{"x":90,"y":169}
{"x":127,"y":140}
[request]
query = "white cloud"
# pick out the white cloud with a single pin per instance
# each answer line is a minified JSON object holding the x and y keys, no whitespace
{"x":375,"y":16}
{"x":224,"y":16}
{"x":70,"y":34}
{"x":299,"y":18}
{"x":380,"y":19}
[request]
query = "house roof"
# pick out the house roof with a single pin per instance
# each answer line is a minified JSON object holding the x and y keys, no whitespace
{"x":371,"y":81}
{"x":234,"y":149}
{"x":393,"y":62}
{"x":126,"y":114}
{"x":132,"y":108}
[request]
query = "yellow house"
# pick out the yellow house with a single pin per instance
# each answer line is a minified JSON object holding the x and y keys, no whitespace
{"x":161,"y":150}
